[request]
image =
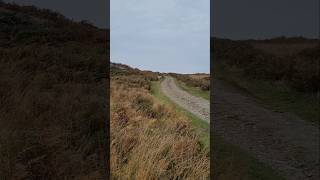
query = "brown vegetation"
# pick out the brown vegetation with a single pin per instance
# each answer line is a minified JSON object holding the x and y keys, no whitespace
{"x":149,"y":140}
{"x":52,"y":102}
{"x":293,"y":61}
{"x":201,"y":81}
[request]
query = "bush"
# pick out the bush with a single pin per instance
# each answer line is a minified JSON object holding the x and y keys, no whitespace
{"x":144,"y":104}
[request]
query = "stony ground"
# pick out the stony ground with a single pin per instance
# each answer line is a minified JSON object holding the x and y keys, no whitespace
{"x":281,"y":140}
{"x":198,"y":106}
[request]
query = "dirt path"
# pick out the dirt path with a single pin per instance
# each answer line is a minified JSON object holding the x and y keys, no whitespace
{"x":283,"y":141}
{"x":198,"y":106}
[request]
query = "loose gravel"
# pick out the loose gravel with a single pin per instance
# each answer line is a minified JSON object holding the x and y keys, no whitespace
{"x":196,"y":105}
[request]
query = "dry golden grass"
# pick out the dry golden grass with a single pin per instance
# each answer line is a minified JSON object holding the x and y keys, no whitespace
{"x":201,"y":81}
{"x":200,"y":76}
{"x":149,"y":140}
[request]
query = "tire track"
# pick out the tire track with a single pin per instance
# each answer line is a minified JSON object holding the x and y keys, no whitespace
{"x":196,"y":105}
{"x":283,"y":141}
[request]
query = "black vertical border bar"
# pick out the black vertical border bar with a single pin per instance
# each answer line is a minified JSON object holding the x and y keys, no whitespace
{"x":106,"y":169}
{"x":318,"y":66}
{"x":211,"y":93}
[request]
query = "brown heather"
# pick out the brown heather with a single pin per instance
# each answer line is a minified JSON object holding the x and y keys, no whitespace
{"x":293,"y":62}
{"x":150,"y":140}
{"x":51,"y":103}
{"x":201,"y":81}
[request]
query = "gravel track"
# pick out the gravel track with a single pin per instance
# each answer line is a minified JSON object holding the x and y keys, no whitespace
{"x":196,"y":105}
{"x":281,"y":140}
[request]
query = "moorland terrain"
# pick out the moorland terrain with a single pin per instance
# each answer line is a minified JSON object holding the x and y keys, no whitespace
{"x":265,"y":100}
{"x":150,"y":137}
{"x":53,"y":95}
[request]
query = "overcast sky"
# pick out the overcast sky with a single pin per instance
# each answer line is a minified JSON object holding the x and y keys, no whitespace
{"x":243,"y":19}
{"x":236,"y":19}
{"x":165,"y":36}
{"x":159,"y":34}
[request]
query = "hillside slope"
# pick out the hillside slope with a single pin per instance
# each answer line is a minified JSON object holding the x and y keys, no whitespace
{"x":53,"y":95}
{"x":266,"y":96}
{"x":150,"y":139}
{"x":281,"y":73}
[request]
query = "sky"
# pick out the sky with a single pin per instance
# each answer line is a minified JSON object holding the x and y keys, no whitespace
{"x":172,"y":23}
{"x":164,"y":36}
{"x":235,"y":19}
{"x":259,"y":19}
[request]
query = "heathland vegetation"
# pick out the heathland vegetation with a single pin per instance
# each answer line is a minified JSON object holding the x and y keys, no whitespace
{"x":229,"y":161}
{"x":201,"y":81}
{"x":196,"y":84}
{"x":281,"y":73}
{"x":282,"y":76}
{"x":53,"y":95}
{"x":150,"y":138}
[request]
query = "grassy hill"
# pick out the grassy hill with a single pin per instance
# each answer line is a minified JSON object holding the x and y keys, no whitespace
{"x":196,"y":84}
{"x":281,"y":73}
{"x":53,"y":95}
{"x":151,"y":138}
